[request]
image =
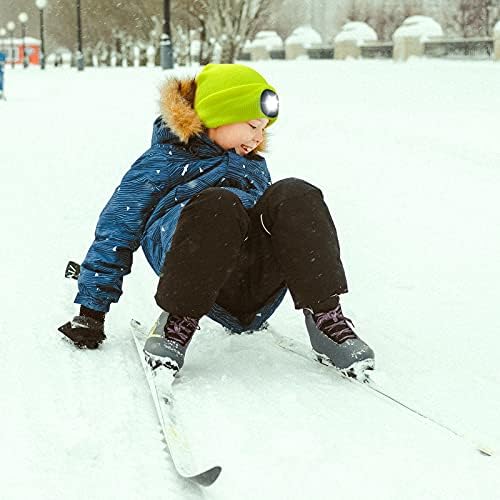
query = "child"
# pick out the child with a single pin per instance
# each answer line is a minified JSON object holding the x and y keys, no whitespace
{"x":224,"y":241}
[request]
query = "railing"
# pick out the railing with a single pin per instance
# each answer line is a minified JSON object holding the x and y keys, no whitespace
{"x":321,"y":53}
{"x":377,"y":50}
{"x":480,"y":48}
{"x":277,"y":54}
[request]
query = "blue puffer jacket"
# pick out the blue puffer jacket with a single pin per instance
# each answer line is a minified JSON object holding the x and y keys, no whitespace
{"x":145,"y":207}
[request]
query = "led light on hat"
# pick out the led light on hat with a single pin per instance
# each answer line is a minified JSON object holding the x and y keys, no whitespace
{"x":269,"y":103}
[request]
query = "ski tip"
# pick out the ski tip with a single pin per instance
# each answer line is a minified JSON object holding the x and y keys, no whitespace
{"x":487,"y":452}
{"x":208,"y":477}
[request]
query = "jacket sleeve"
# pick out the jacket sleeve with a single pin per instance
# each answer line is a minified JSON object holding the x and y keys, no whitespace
{"x":120,"y":227}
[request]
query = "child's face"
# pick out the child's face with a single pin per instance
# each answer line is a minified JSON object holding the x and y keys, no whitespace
{"x":244,"y":137}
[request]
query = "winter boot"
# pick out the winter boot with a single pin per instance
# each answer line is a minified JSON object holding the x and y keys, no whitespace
{"x":335,"y":342}
{"x":168,"y":340}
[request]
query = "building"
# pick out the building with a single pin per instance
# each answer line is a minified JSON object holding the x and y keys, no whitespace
{"x":13,"y":49}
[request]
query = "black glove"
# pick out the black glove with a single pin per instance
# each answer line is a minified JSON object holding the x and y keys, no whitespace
{"x":84,"y":331}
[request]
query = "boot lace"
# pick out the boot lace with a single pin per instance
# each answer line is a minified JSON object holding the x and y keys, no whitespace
{"x":180,"y":328}
{"x":334,"y":325}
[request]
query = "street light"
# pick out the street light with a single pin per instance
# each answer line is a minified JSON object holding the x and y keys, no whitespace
{"x":11,"y":27}
{"x":3,"y":35}
{"x":41,"y":4}
{"x":23,"y":19}
{"x":166,"y":55}
{"x":79,"y":53}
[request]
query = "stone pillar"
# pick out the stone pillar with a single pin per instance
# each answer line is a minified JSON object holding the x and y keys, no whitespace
{"x":259,"y":53}
{"x":407,"y":46}
{"x":150,"y":55}
{"x":294,"y":50}
{"x":347,"y":48}
{"x":136,"y":51}
{"x":496,"y":40}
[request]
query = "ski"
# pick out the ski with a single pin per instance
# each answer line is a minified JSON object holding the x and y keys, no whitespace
{"x":304,"y":351}
{"x":298,"y":348}
{"x":159,"y":382}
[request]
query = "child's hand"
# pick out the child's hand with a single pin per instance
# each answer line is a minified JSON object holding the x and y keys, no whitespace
{"x":84,"y":332}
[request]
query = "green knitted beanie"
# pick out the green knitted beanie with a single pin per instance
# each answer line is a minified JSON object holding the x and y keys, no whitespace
{"x":232,"y":93}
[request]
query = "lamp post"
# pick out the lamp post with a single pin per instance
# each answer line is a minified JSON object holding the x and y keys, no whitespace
{"x":166,"y":55}
{"x":41,"y":4}
{"x":11,"y":27}
{"x":3,"y":35}
{"x":23,"y":19}
{"x":79,"y":52}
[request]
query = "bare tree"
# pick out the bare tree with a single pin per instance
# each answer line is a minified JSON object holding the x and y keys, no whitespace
{"x":461,"y":18}
{"x":100,"y":20}
{"x":226,"y":23}
{"x":390,"y":14}
{"x":489,"y":10}
{"x":470,"y":18}
{"x":358,"y":10}
{"x":284,"y":17}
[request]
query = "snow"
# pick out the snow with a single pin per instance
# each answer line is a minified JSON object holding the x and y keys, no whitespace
{"x":421,"y":27}
{"x":270,"y":40}
{"x":411,"y":174}
{"x":496,"y":29}
{"x":305,"y":36}
{"x":357,"y":32}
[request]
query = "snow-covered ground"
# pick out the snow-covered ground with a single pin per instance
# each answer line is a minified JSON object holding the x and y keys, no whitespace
{"x":408,"y":158}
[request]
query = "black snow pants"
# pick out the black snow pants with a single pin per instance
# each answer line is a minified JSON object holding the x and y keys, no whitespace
{"x":240,"y":258}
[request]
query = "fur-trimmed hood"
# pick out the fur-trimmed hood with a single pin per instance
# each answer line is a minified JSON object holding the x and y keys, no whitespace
{"x":178,"y":113}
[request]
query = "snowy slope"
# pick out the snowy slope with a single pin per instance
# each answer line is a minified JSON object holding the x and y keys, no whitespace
{"x":407,"y":157}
